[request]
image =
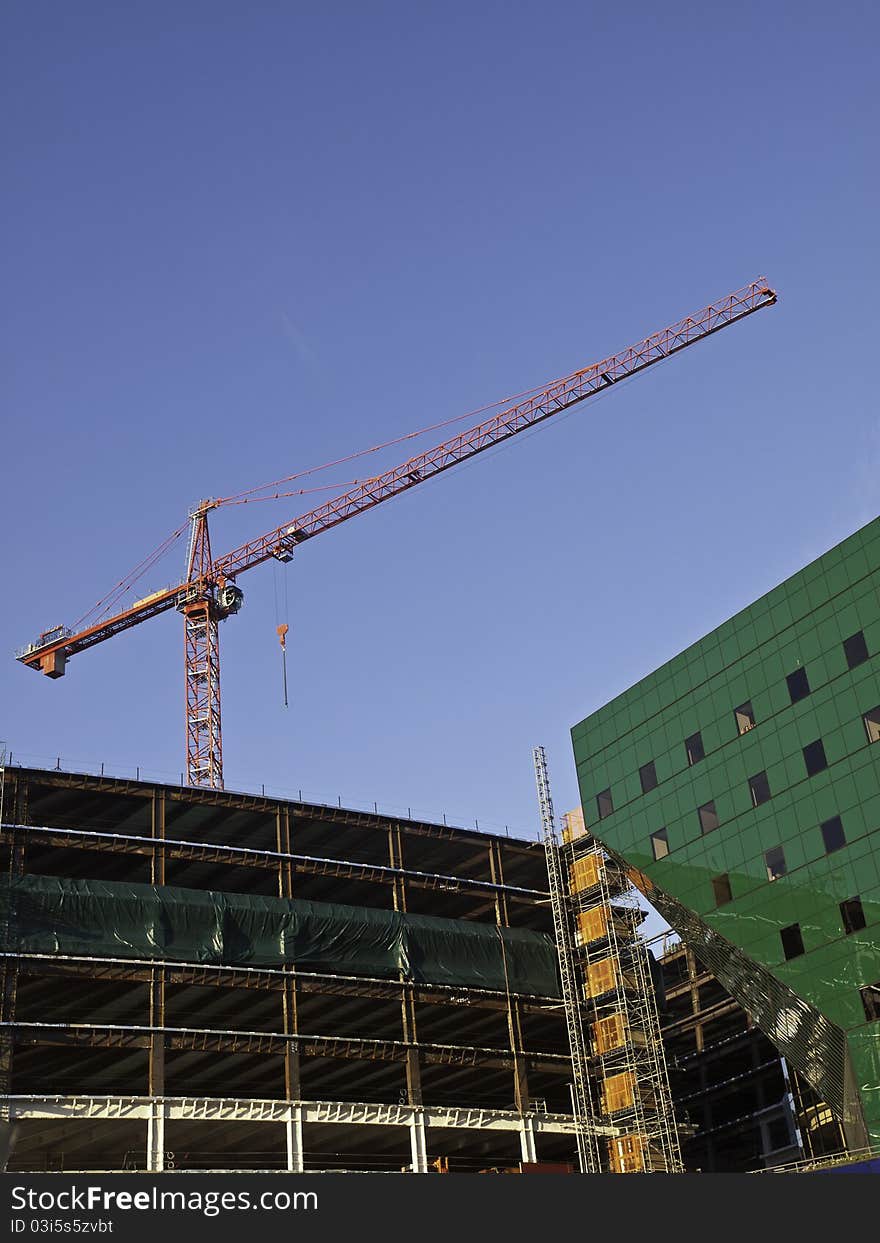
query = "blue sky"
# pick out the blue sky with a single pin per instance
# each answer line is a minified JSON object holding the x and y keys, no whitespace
{"x":242,"y":240}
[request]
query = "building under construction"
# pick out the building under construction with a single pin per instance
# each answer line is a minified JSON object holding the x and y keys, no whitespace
{"x":198,"y":979}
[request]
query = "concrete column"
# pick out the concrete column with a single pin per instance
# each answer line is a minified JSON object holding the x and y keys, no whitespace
{"x":514,"y":1008}
{"x":16,"y":813}
{"x":528,"y":1145}
{"x":693,"y":972}
{"x":156,"y":1137}
{"x":156,"y":1055}
{"x":290,"y":1021}
{"x":419,"y":1142}
{"x":292,"y":1075}
{"x":295,"y":1155}
{"x":157,"y":819}
{"x":282,"y":845}
{"x":407,"y":1005}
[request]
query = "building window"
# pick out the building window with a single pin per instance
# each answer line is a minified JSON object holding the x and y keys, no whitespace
{"x":694,"y":748}
{"x":604,"y":804}
{"x":814,"y":757}
{"x":872,"y":724}
{"x":792,"y":941}
{"x":660,"y":843}
{"x":855,"y":649}
{"x":708,"y":817}
{"x":852,"y":916}
{"x":871,"y":1000}
{"x":759,"y":787}
{"x":798,"y":685}
{"x":648,"y":776}
{"x":775,"y":862}
{"x":721,"y":889}
{"x":745,"y":717}
{"x":820,"y":1115}
{"x":832,"y":834}
{"x":779,"y":1134}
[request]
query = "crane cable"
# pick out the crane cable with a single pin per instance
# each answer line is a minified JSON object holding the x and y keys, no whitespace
{"x":238,"y":498}
{"x":281,"y":625}
{"x":127,"y":582}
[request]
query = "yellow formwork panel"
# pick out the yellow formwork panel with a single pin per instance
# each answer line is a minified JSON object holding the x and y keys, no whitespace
{"x":573,"y":825}
{"x":613,"y":1033}
{"x":626,"y":1154}
{"x":609,"y":1034}
{"x":618,"y":1092}
{"x":592,"y":925}
{"x":634,"y":1154}
{"x":586,"y":872}
{"x":601,"y":977}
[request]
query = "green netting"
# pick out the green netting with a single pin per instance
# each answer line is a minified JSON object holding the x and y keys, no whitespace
{"x":54,"y":915}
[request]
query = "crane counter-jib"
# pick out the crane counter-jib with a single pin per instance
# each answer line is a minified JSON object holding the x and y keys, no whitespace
{"x":49,"y":652}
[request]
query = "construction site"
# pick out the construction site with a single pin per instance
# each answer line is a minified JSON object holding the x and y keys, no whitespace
{"x":197,"y":979}
{"x":200,"y":985}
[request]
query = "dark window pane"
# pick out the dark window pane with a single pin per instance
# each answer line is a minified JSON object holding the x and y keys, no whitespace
{"x":660,"y":844}
{"x":708,"y":817}
{"x":832,"y":834}
{"x":745,"y":717}
{"x":792,"y":941}
{"x":798,"y":685}
{"x":814,"y":757}
{"x":855,"y":649}
{"x":721,"y":889}
{"x":694,"y":748}
{"x":872,"y":724}
{"x":760,"y":789}
{"x":648,"y":776}
{"x":775,"y":861}
{"x":871,"y":1000}
{"x":779,"y":1133}
{"x":852,"y":915}
{"x":604,"y":804}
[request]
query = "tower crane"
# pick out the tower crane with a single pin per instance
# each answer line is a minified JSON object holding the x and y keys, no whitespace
{"x":209,"y":591}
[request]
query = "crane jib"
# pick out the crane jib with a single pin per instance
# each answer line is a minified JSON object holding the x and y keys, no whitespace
{"x":560,"y":395}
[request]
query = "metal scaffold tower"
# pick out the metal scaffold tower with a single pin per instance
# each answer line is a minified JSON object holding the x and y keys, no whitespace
{"x":612,"y":963}
{"x":589,"y":1155}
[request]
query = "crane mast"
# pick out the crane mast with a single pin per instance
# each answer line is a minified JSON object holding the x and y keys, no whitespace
{"x":209,"y":593}
{"x":203,"y":608}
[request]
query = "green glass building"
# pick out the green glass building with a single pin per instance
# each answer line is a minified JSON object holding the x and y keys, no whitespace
{"x":742,"y":781}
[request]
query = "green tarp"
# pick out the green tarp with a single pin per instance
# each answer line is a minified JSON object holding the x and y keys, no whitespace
{"x":48,"y":914}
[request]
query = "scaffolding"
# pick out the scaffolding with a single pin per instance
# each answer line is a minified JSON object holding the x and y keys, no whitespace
{"x":583,"y":1106}
{"x":612,"y":962}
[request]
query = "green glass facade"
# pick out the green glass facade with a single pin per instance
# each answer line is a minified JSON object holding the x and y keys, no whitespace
{"x":742,"y":779}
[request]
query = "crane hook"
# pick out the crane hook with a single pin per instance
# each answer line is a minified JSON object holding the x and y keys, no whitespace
{"x":282,"y":639}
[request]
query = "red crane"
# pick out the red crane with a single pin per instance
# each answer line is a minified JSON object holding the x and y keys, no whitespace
{"x":209,"y":592}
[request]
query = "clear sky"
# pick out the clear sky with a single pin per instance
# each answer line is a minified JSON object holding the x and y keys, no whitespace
{"x":243,"y":239}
